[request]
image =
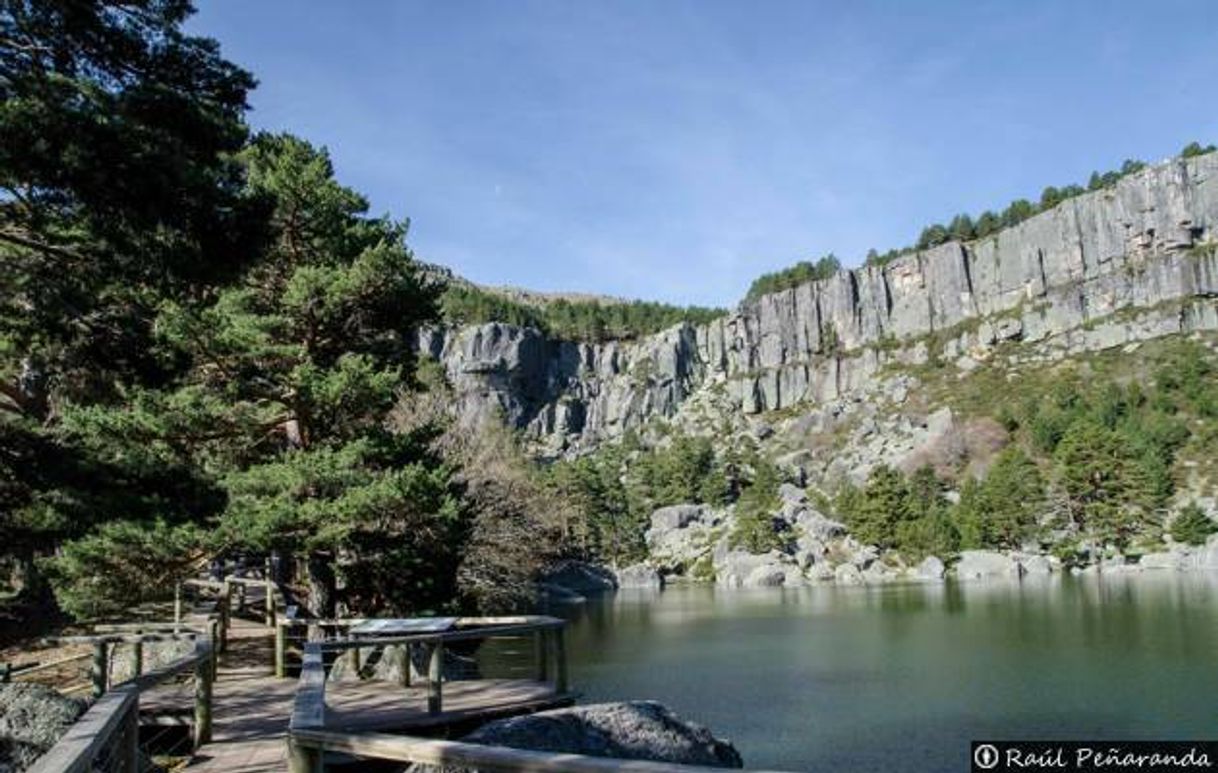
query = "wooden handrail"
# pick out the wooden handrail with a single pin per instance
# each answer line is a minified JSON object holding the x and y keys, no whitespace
{"x":463,"y":627}
{"x":117,"y":710}
{"x":308,"y":737}
{"x":500,"y":759}
{"x":439,"y":637}
{"x":85,"y":739}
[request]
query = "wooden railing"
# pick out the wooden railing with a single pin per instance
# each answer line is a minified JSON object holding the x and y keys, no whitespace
{"x":309,"y":739}
{"x":106,"y":737}
{"x":491,"y":759}
{"x":308,"y":736}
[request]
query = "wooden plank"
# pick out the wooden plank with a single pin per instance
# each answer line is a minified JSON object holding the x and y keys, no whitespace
{"x":75,"y":751}
{"x":447,"y":636}
{"x":309,"y":710}
{"x":372,"y":705}
{"x":499,"y":759}
{"x":402,"y":626}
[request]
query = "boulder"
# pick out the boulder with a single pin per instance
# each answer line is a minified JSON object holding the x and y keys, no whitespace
{"x":975,"y":564}
{"x":738,"y":569}
{"x":817,"y":526}
{"x":878,"y":572}
{"x":766,"y":576}
{"x":931,"y":568}
{"x":641,"y":575}
{"x":32,"y":719}
{"x":864,"y":556}
{"x":792,"y":494}
{"x":677,"y":517}
{"x":579,"y":577}
{"x":638,"y":730}
{"x":847,"y":574}
{"x":387,"y":663}
{"x":1036,"y":564}
{"x":822,"y":572}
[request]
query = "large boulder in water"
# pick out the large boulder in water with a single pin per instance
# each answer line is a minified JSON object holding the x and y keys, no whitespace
{"x":931,"y":568}
{"x":977,"y":564}
{"x":639,"y":576}
{"x":638,"y":730}
{"x":32,"y":718}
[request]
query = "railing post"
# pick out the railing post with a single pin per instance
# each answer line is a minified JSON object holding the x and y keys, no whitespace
{"x":99,"y":668}
{"x":560,"y":656}
{"x":435,"y":677}
{"x":203,"y":679}
{"x":353,"y":657}
{"x":304,"y":759}
{"x":270,"y":596}
{"x":281,"y":645}
{"x":137,"y":658}
{"x":213,"y":631}
{"x":407,"y":664}
{"x":177,"y":607}
{"x":542,"y":643}
{"x":225,"y":598}
{"x":131,"y":740}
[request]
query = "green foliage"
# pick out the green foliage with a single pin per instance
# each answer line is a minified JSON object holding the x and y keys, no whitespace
{"x":755,"y":529}
{"x":1192,"y":526}
{"x":570,"y":320}
{"x":1001,"y":511}
{"x":124,"y":563}
{"x":615,"y":490}
{"x":119,"y":190}
{"x":801,"y":273}
{"x":873,"y":514}
{"x":1193,"y":149}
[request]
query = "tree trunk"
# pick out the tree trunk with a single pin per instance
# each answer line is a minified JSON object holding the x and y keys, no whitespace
{"x":322,"y":585}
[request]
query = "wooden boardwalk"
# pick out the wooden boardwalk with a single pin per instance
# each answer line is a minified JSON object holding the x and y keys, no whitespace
{"x":251,"y":708}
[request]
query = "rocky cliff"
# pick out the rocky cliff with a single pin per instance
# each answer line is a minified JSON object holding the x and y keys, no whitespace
{"x":1132,"y":262}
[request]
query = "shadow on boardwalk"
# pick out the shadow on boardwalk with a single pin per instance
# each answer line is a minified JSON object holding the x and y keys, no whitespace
{"x":252,"y":708}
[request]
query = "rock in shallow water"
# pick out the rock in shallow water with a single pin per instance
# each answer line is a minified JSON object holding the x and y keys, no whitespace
{"x":639,"y":576}
{"x":638,"y":730}
{"x":986,"y":563}
{"x":931,"y":568}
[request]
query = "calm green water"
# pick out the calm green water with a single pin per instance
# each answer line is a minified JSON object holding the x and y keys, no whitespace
{"x":902,"y":678}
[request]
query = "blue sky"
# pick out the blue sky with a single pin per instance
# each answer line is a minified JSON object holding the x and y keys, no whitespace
{"x":675,"y":149}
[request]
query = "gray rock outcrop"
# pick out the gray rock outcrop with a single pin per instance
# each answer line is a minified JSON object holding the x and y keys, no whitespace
{"x":977,"y":564}
{"x":638,"y":730}
{"x":1036,"y":565}
{"x":32,"y":719}
{"x":1132,"y":262}
{"x":931,"y":568}
{"x":639,"y":577}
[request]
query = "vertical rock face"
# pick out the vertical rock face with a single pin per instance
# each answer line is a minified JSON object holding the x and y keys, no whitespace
{"x":1137,"y":260}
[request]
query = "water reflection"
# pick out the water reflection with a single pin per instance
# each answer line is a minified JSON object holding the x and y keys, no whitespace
{"x":901,"y":677}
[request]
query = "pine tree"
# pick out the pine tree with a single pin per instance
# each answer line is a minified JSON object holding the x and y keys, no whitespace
{"x":1192,"y":526}
{"x":119,"y":191}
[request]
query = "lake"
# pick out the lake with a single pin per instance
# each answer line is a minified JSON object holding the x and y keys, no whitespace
{"x":903,"y":677}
